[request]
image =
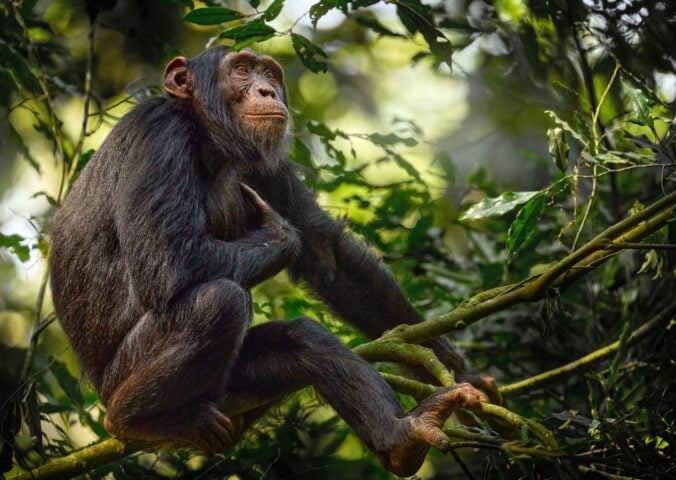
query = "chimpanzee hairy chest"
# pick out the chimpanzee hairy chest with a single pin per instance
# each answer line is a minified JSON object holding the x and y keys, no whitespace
{"x":229,"y":214}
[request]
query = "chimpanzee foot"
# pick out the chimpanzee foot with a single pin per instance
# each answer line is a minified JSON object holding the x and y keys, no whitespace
{"x":209,"y":430}
{"x":212,"y":432}
{"x":425,"y":424}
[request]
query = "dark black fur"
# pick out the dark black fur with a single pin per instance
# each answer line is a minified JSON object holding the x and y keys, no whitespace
{"x":154,"y":252}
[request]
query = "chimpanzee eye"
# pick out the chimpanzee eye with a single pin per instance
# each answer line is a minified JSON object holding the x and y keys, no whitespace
{"x":269,"y":74}
{"x":241,"y":68}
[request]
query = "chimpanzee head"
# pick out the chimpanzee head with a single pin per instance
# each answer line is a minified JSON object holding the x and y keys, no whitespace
{"x":240,"y":98}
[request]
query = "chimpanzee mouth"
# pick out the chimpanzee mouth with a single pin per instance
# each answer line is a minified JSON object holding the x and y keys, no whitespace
{"x":280,"y":115}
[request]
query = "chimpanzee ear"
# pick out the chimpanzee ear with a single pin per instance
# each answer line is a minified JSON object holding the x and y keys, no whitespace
{"x":178,"y":79}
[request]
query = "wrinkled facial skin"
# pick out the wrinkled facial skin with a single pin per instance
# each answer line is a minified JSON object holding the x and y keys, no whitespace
{"x":253,"y":86}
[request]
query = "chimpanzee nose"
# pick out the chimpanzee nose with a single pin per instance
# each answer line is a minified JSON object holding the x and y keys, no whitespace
{"x":266,"y":90}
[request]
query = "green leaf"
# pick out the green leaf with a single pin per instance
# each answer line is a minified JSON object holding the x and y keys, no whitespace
{"x":563,"y":124}
{"x":251,"y":32}
{"x":404,"y":164}
{"x":51,"y":200}
{"x":392,"y":139}
{"x":417,"y":17}
{"x":212,"y":15}
{"x":321,"y":129}
{"x":319,"y":9}
{"x":370,"y":21}
{"x":558,"y":148}
{"x":642,"y":108}
{"x":13,"y":242}
{"x":254,"y":3}
{"x":68,"y":383}
{"x":309,"y":53}
{"x":497,"y":206}
{"x":525,"y":224}
{"x":273,"y":10}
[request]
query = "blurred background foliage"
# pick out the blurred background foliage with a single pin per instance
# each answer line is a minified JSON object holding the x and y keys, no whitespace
{"x":408,"y":114}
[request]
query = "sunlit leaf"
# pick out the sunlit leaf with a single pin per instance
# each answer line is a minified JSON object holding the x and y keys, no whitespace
{"x":642,"y":108}
{"x":497,"y":206}
{"x":558,"y":148}
{"x":563,"y":124}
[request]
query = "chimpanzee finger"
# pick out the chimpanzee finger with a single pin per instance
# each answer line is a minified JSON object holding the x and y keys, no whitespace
{"x":223,"y":437}
{"x":262,"y":206}
{"x":437,"y":438}
{"x":486,"y":384}
{"x":225,"y":422}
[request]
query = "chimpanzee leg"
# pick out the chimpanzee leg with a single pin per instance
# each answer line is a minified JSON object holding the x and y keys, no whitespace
{"x":169,"y":370}
{"x":280,"y":357}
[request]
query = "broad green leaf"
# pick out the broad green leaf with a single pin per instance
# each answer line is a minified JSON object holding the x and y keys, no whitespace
{"x":610,"y":157}
{"x":255,"y":31}
{"x":558,"y":148}
{"x":525,"y":224}
{"x":581,"y":124}
{"x":212,"y":15}
{"x":273,"y":10}
{"x":309,"y":53}
{"x":563,"y":124}
{"x":642,"y":108}
{"x":497,"y":206}
{"x":13,"y":242}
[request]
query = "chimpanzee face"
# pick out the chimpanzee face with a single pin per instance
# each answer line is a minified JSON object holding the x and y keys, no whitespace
{"x":253,"y":87}
{"x":240,"y":100}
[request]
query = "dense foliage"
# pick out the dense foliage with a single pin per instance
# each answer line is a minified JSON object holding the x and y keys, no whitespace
{"x":567,"y":127}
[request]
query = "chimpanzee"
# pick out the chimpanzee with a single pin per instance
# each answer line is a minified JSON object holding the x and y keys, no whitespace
{"x":189,"y":203}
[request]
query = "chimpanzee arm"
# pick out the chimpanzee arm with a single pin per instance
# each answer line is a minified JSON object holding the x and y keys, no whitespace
{"x":161,"y":225}
{"x":343,"y":271}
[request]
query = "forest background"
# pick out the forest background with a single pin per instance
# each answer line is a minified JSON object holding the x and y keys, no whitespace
{"x":512,"y":161}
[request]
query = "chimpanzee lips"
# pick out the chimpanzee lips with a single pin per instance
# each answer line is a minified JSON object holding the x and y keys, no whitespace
{"x":277,"y":114}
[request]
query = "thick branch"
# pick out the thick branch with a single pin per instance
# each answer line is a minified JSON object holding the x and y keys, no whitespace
{"x":574,"y":265}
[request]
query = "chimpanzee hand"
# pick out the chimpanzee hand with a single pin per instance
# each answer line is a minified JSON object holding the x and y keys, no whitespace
{"x":270,"y":219}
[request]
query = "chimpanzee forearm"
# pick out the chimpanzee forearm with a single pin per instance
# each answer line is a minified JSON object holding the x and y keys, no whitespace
{"x":357,"y":286}
{"x":263,"y":253}
{"x":343,"y":271}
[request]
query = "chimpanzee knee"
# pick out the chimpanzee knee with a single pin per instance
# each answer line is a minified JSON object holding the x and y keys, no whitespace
{"x":221,"y":307}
